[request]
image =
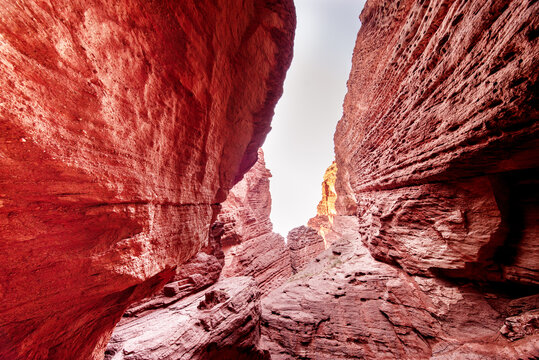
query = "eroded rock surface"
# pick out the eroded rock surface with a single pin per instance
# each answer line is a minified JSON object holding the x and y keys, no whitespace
{"x":251,"y":247}
{"x":347,"y":305}
{"x":224,"y":319}
{"x":437,"y":157}
{"x":121,"y":125}
{"x":304,"y":243}
{"x":439,"y":137}
{"x":201,"y":271}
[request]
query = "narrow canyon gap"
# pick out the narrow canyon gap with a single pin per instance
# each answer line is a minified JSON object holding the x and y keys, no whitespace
{"x":300,"y":144}
{"x":132,"y":183}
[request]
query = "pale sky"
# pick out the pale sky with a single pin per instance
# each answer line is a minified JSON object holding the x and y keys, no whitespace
{"x":300,"y":147}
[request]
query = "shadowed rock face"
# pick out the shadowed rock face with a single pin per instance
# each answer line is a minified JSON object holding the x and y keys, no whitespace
{"x":201,"y":271}
{"x":121,"y":124}
{"x":439,"y":137}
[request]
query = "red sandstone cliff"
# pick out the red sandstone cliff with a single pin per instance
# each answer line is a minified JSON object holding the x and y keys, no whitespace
{"x":438,"y":143}
{"x":437,"y":156}
{"x":230,"y":329}
{"x":347,"y":305}
{"x":251,"y":247}
{"x":304,"y":243}
{"x":121,"y":125}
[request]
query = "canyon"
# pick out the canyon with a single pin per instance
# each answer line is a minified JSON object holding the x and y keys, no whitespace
{"x":135,"y":201}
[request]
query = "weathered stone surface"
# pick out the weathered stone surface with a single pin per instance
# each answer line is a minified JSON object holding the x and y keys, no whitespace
{"x":347,"y":305}
{"x":437,"y":156}
{"x":438,"y":144}
{"x":304,"y":243}
{"x":121,"y":123}
{"x":265,"y":258}
{"x":246,"y":212}
{"x":431,"y":226}
{"x":342,"y":307}
{"x":325,"y":211}
{"x":251,"y":247}
{"x":517,"y":327}
{"x":207,"y":274}
{"x":198,"y":273}
{"x":224,"y":317}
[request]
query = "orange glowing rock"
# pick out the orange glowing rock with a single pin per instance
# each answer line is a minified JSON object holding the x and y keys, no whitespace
{"x":325,"y":211}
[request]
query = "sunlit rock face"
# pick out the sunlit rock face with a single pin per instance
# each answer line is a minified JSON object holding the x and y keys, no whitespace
{"x":121,"y":124}
{"x":224,"y":319}
{"x":438,"y":143}
{"x":326,"y":211}
{"x":251,"y":247}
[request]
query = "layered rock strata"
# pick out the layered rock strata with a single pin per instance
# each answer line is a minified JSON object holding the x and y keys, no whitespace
{"x":251,"y":247}
{"x":304,"y":243}
{"x":121,"y":125}
{"x":219,"y":323}
{"x":201,"y":271}
{"x":439,"y":137}
{"x":437,"y":156}
{"x":347,"y":305}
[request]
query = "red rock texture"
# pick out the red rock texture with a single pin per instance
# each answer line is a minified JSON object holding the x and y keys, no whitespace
{"x":121,"y":124}
{"x":438,"y":144}
{"x":347,"y":305}
{"x":222,"y":319}
{"x":251,"y":247}
{"x":246,"y":212}
{"x":437,"y":156}
{"x":198,"y":273}
{"x":304,"y":243}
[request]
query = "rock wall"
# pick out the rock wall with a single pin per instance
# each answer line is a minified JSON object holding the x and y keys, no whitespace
{"x":347,"y":305}
{"x":435,"y":252}
{"x":122,"y":124}
{"x":439,"y":137}
{"x":207,"y":325}
{"x":304,"y":243}
{"x":231,"y":330}
{"x":200,"y":272}
{"x":251,"y":247}
{"x":326,"y":210}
